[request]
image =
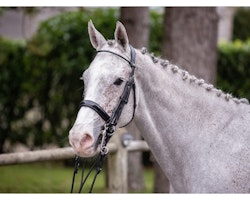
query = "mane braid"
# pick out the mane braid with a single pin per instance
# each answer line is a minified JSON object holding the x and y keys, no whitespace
{"x":192,"y":79}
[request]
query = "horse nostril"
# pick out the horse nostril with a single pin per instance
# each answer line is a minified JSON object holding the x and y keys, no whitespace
{"x":81,"y":141}
{"x":86,"y":141}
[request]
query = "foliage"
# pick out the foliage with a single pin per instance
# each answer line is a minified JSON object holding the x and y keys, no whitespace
{"x":40,"y":86}
{"x":233,"y":68}
{"x":57,"y":56}
{"x":13,"y":99}
{"x":156,"y":32}
{"x":241,"y":24}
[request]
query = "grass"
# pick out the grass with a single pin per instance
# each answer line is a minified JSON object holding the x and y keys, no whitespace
{"x":51,"y":177}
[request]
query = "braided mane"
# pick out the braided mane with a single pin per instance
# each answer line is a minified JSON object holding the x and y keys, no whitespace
{"x":192,"y":79}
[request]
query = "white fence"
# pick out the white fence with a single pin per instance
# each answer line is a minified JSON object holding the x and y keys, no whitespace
{"x":117,"y":160}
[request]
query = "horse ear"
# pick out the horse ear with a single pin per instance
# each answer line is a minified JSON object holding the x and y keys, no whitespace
{"x":121,"y":35}
{"x":96,"y":38}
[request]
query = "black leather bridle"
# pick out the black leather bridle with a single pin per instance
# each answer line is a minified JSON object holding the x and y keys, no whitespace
{"x":113,"y":119}
{"x":110,"y":121}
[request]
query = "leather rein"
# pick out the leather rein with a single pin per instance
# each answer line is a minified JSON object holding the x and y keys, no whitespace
{"x":110,"y":122}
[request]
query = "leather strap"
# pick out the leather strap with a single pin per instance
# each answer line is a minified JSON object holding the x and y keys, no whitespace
{"x":96,"y":107}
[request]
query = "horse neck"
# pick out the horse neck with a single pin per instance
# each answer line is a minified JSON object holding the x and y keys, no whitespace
{"x":170,"y":95}
{"x":174,"y":108}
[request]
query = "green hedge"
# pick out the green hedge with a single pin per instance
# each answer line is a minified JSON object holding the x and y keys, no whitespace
{"x":241,"y":25}
{"x":40,"y":85}
{"x":234,"y":68}
{"x":57,"y":56}
{"x":13,"y":99}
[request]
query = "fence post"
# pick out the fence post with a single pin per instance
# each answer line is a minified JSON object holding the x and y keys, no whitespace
{"x":118,"y":166}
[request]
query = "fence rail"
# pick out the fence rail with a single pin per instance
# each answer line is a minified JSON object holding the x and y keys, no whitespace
{"x":41,"y":155}
{"x":60,"y":153}
{"x":117,"y":159}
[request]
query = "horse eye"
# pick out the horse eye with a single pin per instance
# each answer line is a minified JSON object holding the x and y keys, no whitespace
{"x":118,"y":81}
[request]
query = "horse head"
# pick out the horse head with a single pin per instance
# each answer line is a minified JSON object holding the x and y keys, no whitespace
{"x":105,"y":82}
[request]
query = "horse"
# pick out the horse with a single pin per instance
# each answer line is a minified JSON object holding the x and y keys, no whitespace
{"x":197,"y":133}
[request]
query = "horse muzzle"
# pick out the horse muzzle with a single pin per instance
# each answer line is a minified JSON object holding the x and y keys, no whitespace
{"x":83,"y":143}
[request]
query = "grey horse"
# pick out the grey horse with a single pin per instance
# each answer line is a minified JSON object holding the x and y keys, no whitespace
{"x":199,"y":135}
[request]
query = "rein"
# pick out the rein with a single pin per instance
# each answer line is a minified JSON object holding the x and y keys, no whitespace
{"x":110,"y":123}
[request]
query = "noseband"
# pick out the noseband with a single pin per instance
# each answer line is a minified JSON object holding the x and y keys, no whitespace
{"x":110,"y":121}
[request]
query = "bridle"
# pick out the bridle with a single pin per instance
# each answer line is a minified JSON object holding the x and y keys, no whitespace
{"x":113,"y":119}
{"x":110,"y":121}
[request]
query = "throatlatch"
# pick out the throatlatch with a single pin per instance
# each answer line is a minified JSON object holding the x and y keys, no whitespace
{"x":109,"y":126}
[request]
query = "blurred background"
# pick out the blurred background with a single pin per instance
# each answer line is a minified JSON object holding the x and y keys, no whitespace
{"x":44,"y":51}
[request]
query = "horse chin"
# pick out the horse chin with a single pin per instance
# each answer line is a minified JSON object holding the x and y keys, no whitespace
{"x":90,"y":152}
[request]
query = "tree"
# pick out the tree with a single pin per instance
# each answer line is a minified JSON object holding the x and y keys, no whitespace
{"x":190,"y":39}
{"x":136,"y":21}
